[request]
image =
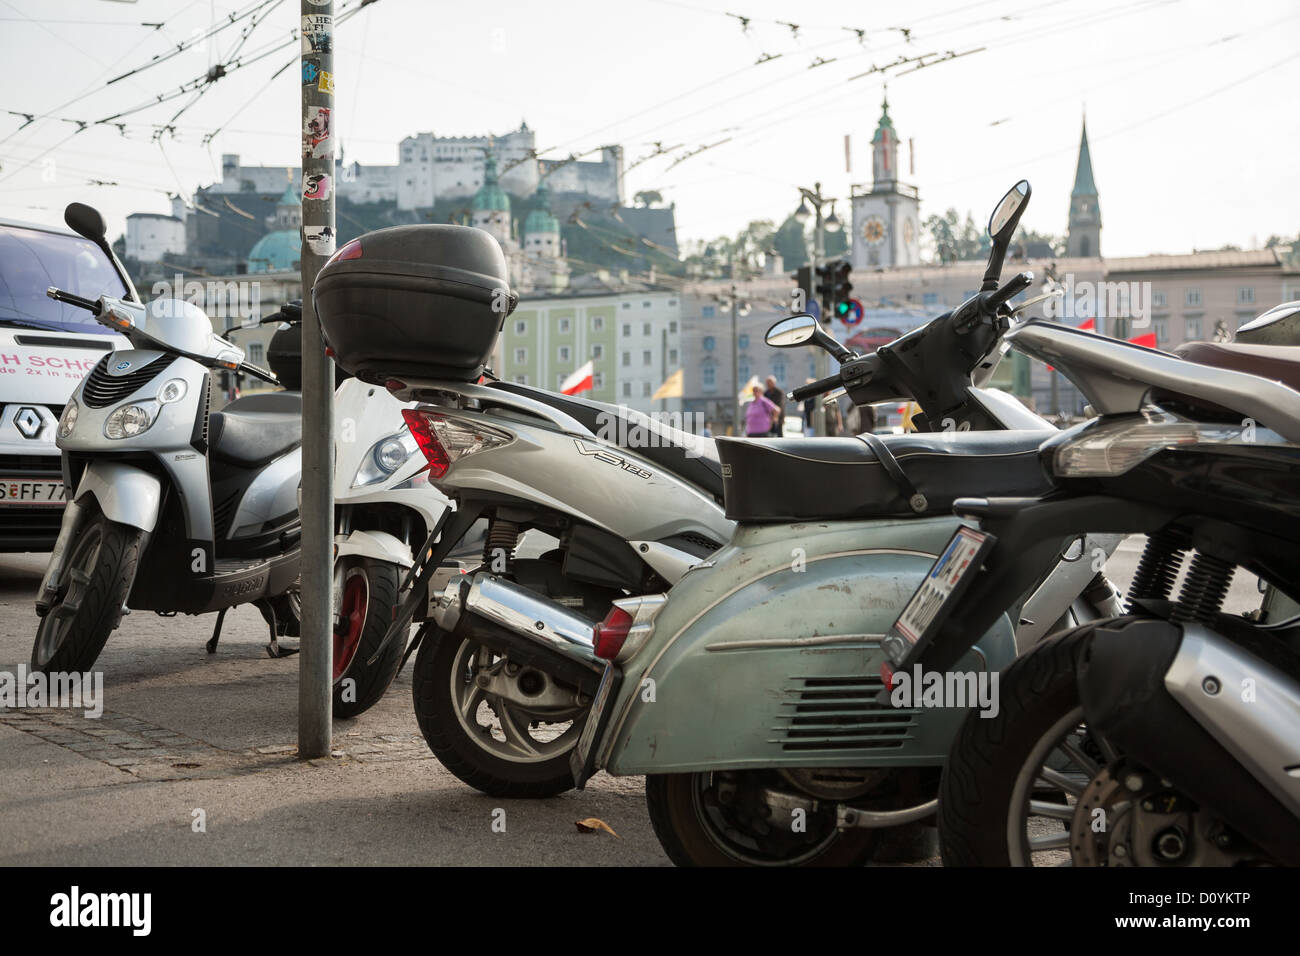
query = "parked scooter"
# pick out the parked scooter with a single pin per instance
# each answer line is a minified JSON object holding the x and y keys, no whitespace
{"x":1168,"y":736}
{"x":171,"y":509}
{"x":784,"y":617}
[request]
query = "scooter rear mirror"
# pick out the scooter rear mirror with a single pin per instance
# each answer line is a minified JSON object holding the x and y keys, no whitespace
{"x":85,"y":221}
{"x":798,"y":329}
{"x":1006,"y":216}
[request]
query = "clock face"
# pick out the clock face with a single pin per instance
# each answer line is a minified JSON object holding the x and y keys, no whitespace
{"x":909,"y":231}
{"x":873,"y":230}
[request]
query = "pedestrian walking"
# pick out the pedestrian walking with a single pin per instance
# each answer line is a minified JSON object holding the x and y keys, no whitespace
{"x":776,"y":396}
{"x":760,"y":415}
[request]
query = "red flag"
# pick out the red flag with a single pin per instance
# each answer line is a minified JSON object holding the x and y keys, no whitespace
{"x":1089,"y":325}
{"x":1147,"y":341}
{"x":579,"y":381}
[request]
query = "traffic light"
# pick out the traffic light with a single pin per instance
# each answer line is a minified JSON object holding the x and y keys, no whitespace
{"x":825,"y":287}
{"x":804,"y":287}
{"x":840,"y":286}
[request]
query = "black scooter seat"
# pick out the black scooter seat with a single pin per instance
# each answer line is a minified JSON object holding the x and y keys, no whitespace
{"x":796,"y":479}
{"x":255,"y":430}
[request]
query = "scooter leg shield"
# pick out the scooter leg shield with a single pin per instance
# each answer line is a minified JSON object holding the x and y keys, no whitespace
{"x":1123,"y":692}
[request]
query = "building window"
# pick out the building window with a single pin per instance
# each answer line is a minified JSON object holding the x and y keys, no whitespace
{"x":627,"y":389}
{"x":708,"y":311}
{"x":1192,"y":297}
{"x":627,"y":330}
{"x":929,"y":298}
{"x":1159,"y":300}
{"x":778,"y":370}
{"x":255,"y":353}
{"x":559,"y":381}
{"x":598,"y":351}
{"x":1193,"y":330}
{"x":672,"y":326}
{"x":645,"y":357}
{"x":521,"y":379}
{"x":564,"y":353}
{"x":645,"y":328}
{"x":627,"y":358}
{"x":598,"y":323}
{"x":671,"y":303}
{"x":520,"y":327}
{"x":709,"y":377}
{"x":627,"y":305}
{"x":1246,"y":295}
{"x":812,"y":368}
{"x":708,"y":343}
{"x":1161,"y":327}
{"x":672,"y":356}
{"x":521,"y":356}
{"x":598,"y":380}
{"x":645,"y":389}
{"x":564,"y":325}
{"x":742,"y":368}
{"x":742,"y":341}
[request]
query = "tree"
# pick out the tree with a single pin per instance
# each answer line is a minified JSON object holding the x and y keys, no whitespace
{"x":648,"y":197}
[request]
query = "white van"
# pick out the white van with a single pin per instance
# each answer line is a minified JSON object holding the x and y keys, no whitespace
{"x":46,"y":349}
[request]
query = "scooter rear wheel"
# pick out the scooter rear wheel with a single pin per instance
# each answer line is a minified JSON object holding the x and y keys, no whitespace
{"x":95,"y":584}
{"x":695,"y":828}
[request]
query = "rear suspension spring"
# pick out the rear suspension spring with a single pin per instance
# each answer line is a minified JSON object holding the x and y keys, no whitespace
{"x":1158,"y":569}
{"x":499,"y":549}
{"x":1203,"y":592}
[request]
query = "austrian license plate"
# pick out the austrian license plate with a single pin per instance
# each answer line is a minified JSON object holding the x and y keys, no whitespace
{"x":939,"y":590}
{"x":582,"y":759}
{"x":31,"y":491}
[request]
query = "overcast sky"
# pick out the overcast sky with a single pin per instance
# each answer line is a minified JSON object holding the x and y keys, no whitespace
{"x":1194,"y":133}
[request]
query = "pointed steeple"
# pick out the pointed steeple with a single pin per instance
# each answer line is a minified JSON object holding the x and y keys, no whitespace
{"x":884,"y":150}
{"x":1083,"y":183}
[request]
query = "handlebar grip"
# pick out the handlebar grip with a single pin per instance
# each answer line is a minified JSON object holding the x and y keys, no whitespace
{"x":815,"y":388}
{"x":1013,"y":288}
{"x":58,"y":295}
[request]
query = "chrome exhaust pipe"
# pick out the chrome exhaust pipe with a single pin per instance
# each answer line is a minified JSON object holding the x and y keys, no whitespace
{"x":528,"y":626}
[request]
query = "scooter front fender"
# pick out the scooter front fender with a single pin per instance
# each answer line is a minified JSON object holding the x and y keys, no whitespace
{"x":771,"y":658}
{"x":379,"y":545}
{"x":124,"y":493}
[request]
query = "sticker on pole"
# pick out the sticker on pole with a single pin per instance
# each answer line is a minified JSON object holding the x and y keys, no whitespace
{"x":320,"y":239}
{"x":310,"y":70}
{"x":316,"y":33}
{"x":326,"y":84}
{"x":317,"y":186}
{"x":938,"y":592}
{"x":318,"y":133}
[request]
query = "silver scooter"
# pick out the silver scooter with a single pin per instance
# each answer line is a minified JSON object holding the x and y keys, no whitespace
{"x":171,"y":508}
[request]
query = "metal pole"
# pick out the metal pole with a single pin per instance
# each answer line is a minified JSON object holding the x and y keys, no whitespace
{"x":735,"y":365}
{"x":823,"y":364}
{"x":315,"y":661}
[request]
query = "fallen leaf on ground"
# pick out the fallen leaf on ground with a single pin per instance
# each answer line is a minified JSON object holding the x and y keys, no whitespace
{"x":591,"y":824}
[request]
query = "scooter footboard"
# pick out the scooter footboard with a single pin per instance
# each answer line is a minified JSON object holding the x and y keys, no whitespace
{"x":784,"y":671}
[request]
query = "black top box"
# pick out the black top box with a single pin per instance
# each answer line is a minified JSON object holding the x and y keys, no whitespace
{"x":422,"y":301}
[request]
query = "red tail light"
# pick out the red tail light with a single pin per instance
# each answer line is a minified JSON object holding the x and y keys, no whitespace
{"x":887,"y":675}
{"x":349,"y":250}
{"x":437,"y":456}
{"x":612,"y":632}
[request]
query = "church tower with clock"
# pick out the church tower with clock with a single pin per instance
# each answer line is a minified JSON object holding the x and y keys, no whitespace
{"x":886,"y":217}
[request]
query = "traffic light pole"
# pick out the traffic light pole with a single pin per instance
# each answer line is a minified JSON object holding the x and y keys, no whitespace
{"x":823,"y":360}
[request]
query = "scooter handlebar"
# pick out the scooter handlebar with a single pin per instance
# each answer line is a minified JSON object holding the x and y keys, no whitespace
{"x":815,"y":388}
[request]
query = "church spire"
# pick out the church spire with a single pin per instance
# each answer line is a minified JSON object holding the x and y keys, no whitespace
{"x":1083,"y":184}
{"x":1084,"y":236}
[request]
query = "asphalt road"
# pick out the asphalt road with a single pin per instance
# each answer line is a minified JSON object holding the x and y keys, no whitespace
{"x":183,"y":731}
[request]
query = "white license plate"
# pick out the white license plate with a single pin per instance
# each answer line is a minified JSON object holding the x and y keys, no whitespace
{"x":587,"y":739}
{"x":957,"y":561}
{"x":31,"y":491}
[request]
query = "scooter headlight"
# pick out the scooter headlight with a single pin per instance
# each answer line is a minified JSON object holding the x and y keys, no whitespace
{"x":68,"y":420}
{"x":127,"y":422}
{"x":384,"y":458}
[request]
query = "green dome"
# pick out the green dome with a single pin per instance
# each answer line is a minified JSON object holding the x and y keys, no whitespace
{"x":541,"y":219}
{"x":491,"y":197}
{"x":276,"y":252}
{"x":291,"y":197}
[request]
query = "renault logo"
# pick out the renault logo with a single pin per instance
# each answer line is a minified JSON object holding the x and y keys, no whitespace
{"x":28,"y":421}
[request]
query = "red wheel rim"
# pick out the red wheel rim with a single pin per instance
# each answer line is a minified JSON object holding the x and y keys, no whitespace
{"x":352,"y":621}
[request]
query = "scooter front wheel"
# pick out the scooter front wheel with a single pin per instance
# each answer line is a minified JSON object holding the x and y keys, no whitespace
{"x":93,"y":589}
{"x":368,"y":593}
{"x":721,"y":819}
{"x":506,"y":730}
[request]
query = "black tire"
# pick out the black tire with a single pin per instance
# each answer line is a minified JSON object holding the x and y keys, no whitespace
{"x":975,"y":794}
{"x":105,"y":556}
{"x":689,"y":841}
{"x":435,"y":712}
{"x":370,"y":618}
